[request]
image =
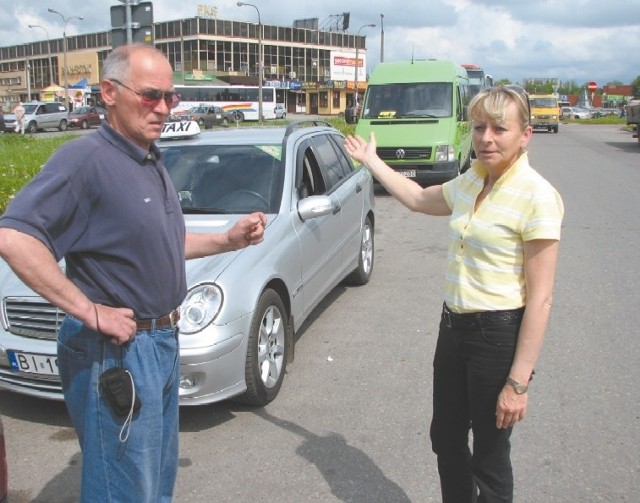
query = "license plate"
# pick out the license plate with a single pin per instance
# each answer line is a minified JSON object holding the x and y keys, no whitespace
{"x":33,"y":363}
{"x":409,"y":173}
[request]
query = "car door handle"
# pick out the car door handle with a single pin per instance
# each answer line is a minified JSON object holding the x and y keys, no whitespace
{"x":358,"y":187}
{"x":337,"y":209}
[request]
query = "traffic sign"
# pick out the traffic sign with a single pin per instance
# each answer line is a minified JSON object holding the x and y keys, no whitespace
{"x":592,"y":87}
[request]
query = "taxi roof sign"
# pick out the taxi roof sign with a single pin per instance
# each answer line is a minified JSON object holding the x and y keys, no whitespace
{"x":179,"y":130}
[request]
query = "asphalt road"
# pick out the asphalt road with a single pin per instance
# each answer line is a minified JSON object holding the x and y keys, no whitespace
{"x":351,"y":423}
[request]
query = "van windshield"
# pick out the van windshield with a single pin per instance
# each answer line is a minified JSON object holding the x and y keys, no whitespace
{"x":418,"y":99}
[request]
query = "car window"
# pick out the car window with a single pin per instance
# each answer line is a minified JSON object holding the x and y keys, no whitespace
{"x":330,"y":164}
{"x":347,"y":166}
{"x":226,"y":178}
{"x":309,"y":177}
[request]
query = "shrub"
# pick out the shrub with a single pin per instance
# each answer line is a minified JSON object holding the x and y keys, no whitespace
{"x":22,"y":158}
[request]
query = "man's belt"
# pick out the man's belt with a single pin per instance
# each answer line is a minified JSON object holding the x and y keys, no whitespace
{"x":168,"y":321}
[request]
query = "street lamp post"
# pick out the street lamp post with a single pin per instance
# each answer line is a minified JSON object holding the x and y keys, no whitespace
{"x":355,"y":85}
{"x":260,"y":68}
{"x":65,"y":20}
{"x":48,"y":51}
{"x":381,"y":38}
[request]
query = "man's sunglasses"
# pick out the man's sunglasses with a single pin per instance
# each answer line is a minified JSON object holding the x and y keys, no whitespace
{"x":151,"y":97}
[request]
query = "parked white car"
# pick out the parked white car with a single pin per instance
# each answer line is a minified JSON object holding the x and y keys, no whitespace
{"x":280,"y":111}
{"x":575,"y":113}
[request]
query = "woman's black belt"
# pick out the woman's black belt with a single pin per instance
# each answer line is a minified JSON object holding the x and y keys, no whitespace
{"x":481,"y":319}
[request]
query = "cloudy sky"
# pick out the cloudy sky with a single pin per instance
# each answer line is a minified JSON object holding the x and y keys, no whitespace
{"x":573,"y":40}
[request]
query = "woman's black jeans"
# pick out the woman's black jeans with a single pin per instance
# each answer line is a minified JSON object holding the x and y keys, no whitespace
{"x":471,"y":364}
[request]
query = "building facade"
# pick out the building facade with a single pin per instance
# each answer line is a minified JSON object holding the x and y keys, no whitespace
{"x":313,"y":69}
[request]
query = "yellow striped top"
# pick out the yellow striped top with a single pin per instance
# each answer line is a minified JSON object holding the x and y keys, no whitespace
{"x":485,"y":262}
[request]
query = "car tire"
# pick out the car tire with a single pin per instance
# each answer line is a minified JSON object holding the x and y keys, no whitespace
{"x":238,"y":116}
{"x":84,"y":125}
{"x":32,"y":127}
{"x":555,"y":129}
{"x":362,"y":274}
{"x":63,"y":125}
{"x":267,"y":350}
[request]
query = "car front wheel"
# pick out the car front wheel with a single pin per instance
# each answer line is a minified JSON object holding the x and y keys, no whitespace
{"x":32,"y":127}
{"x":84,"y":125}
{"x":63,"y":125}
{"x":266,"y":358}
{"x":362,"y":274}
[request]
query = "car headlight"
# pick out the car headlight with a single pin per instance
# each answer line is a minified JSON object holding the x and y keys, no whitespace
{"x":200,"y":307}
{"x":445,"y":153}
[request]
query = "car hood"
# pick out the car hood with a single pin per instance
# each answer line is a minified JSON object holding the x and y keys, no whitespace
{"x":210,"y":268}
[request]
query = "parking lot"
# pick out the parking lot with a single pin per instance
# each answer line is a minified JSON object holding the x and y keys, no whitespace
{"x":351,"y":422}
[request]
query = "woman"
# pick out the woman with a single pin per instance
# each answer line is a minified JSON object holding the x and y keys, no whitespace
{"x":504,"y":232}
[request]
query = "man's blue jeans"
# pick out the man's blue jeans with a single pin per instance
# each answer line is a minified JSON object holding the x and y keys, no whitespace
{"x":143,"y":468}
{"x":469,"y":370}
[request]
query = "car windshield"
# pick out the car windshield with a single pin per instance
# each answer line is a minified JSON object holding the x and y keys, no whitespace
{"x":226,"y":178}
{"x":420,"y":99}
{"x":29,"y":109}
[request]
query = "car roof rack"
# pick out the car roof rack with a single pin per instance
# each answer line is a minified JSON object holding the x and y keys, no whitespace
{"x":293,"y":126}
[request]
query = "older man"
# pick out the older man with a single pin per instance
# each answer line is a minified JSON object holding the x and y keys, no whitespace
{"x":107,"y":205}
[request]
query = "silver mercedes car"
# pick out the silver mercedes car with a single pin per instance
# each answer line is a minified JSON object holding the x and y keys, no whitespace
{"x":243,"y":308}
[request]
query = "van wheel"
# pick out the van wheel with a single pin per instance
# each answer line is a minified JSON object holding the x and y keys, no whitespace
{"x":32,"y":127}
{"x":63,"y":125}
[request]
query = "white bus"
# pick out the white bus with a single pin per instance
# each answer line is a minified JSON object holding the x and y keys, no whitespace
{"x":241,"y":102}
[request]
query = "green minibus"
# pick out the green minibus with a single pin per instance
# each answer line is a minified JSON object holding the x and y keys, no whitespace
{"x":418,"y":111}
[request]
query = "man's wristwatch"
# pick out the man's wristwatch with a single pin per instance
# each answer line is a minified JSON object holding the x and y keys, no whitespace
{"x":517,"y":386}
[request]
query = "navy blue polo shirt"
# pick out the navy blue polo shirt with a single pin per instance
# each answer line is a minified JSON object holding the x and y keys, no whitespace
{"x":110,"y":209}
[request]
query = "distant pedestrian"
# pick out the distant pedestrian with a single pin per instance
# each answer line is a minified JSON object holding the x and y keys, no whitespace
{"x":2,"y":123}
{"x":19,"y":113}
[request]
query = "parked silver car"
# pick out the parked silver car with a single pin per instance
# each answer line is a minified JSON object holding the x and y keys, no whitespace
{"x":39,"y":115}
{"x":575,"y":113}
{"x":280,"y":111}
{"x":243,"y":308}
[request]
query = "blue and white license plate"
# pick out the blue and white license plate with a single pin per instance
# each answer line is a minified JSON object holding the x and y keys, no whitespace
{"x":32,"y":363}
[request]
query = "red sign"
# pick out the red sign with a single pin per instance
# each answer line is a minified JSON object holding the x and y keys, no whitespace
{"x":592,"y":86}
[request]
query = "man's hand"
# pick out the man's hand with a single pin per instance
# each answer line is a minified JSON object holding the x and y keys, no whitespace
{"x":249,"y":230}
{"x":114,"y":322}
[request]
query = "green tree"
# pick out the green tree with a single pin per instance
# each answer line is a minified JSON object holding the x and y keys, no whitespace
{"x":635,"y":87}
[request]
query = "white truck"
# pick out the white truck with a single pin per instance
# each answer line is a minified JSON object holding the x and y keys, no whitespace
{"x":633,"y":116}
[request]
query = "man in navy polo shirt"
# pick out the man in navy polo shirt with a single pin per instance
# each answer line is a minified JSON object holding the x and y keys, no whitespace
{"x":106,"y":204}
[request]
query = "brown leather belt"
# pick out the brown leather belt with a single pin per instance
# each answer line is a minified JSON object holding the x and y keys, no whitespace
{"x":168,"y":321}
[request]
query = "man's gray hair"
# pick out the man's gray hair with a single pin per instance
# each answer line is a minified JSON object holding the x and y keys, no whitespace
{"x":117,"y":64}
